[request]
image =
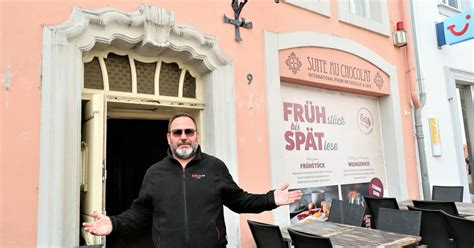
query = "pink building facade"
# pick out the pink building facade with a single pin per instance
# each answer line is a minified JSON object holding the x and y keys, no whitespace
{"x":315,"y":95}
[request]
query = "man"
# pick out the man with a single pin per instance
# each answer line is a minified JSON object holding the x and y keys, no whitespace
{"x":184,"y":194}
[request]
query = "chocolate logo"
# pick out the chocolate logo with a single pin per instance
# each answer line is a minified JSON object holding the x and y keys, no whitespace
{"x":365,"y":121}
{"x":293,"y":63}
{"x":378,"y":80}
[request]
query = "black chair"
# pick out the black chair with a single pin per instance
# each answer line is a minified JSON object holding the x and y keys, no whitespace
{"x":448,"y":207}
{"x":266,"y":235}
{"x":462,"y":231}
{"x":434,"y":228}
{"x":346,"y":213}
{"x":399,"y":221}
{"x":375,"y":203}
{"x":447,"y":193}
{"x":305,"y":240}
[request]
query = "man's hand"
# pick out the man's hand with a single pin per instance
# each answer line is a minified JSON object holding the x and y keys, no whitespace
{"x":101,"y":225}
{"x":283,"y":197}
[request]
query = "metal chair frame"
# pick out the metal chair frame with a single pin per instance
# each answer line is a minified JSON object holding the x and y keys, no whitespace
{"x":462,"y":230}
{"x":434,"y":230}
{"x":375,"y":203}
{"x":266,"y":235}
{"x":399,"y":221}
{"x":346,"y":213}
{"x":305,"y":240}
{"x":447,"y":193}
{"x":448,"y":207}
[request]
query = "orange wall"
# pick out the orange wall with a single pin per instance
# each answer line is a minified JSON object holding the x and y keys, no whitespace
{"x":21,"y":43}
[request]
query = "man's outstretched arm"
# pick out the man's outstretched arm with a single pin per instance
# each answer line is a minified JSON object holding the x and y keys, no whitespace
{"x":241,"y":201}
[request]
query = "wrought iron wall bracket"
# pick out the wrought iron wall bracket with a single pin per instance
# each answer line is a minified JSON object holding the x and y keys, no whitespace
{"x":237,"y":21}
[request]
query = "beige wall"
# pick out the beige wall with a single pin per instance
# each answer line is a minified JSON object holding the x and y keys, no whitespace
{"x":20,"y":66}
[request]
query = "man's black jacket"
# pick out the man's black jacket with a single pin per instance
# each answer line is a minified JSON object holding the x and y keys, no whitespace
{"x":186,"y":205}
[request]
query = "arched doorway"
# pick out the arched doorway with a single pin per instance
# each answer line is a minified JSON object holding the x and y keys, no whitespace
{"x":148,"y":32}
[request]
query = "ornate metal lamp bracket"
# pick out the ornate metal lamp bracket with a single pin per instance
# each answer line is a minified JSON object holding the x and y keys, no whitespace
{"x":237,"y":21}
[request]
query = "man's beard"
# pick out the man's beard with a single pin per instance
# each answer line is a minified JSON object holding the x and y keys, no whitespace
{"x":184,"y":152}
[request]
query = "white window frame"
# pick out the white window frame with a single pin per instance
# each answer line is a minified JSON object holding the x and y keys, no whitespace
{"x":322,"y":7}
{"x":380,"y":27}
{"x":448,"y":10}
{"x":366,"y":7}
{"x":446,"y":2}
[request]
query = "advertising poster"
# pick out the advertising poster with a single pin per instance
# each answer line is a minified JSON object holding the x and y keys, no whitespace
{"x":332,"y":146}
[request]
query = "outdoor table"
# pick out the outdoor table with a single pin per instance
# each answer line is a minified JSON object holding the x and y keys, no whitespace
{"x":465,"y":209}
{"x":352,"y":236}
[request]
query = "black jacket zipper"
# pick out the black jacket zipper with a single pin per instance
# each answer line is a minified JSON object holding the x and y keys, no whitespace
{"x":185,"y":208}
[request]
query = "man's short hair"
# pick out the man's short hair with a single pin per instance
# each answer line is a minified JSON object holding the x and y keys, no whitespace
{"x":181,"y":114}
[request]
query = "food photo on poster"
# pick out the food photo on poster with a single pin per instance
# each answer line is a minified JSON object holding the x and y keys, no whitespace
{"x":354,"y":193}
{"x":315,"y":204}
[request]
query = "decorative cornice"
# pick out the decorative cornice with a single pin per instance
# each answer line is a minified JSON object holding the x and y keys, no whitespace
{"x":158,"y":24}
{"x":154,"y":27}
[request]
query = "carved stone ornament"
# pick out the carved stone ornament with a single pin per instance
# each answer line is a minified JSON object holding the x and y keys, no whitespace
{"x":149,"y":31}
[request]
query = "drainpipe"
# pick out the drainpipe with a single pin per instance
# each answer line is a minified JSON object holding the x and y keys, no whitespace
{"x":418,"y":103}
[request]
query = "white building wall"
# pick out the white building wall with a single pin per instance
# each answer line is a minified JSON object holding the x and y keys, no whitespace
{"x":449,"y":168}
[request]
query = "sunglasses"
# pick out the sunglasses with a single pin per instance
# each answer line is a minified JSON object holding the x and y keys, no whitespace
{"x":189,"y":132}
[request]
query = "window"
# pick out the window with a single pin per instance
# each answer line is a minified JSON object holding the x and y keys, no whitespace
{"x":452,"y":7}
{"x":322,"y":7}
{"x":360,"y":8}
{"x":451,"y":3}
{"x":367,"y":14}
{"x":127,"y":74}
